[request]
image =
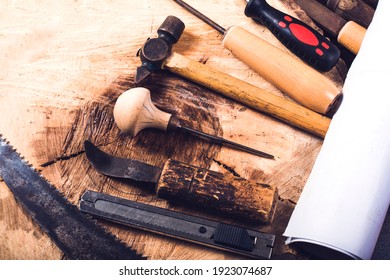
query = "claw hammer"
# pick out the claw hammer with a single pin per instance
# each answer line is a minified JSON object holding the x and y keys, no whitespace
{"x":157,"y":54}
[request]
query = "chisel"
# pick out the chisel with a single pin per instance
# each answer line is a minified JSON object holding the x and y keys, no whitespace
{"x":292,"y":76}
{"x":134,"y":111}
{"x":355,"y":10}
{"x":348,"y":33}
{"x":301,"y":39}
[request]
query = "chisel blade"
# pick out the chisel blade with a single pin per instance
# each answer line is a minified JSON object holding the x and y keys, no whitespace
{"x":322,"y":16}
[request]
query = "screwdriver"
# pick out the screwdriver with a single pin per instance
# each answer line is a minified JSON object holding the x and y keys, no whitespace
{"x":134,"y":111}
{"x":292,"y":76}
{"x":301,"y":39}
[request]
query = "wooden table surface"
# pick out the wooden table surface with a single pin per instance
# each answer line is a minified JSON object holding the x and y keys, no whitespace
{"x":64,"y":63}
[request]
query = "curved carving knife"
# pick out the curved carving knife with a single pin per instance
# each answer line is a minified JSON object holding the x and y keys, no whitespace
{"x":186,"y":184}
{"x":77,"y":236}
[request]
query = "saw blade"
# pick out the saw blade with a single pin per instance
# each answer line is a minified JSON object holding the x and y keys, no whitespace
{"x":198,"y":230}
{"x":78,"y":237}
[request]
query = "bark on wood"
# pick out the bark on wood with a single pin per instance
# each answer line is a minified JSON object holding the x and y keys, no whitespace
{"x":227,"y":195}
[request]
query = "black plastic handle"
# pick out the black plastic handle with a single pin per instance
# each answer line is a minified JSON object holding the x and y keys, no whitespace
{"x":301,"y":39}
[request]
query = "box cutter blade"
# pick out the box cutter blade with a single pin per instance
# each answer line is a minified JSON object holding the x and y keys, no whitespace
{"x":198,"y":230}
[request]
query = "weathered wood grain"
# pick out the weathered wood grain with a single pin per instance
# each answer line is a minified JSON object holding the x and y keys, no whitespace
{"x":228,"y":195}
{"x":63,"y":64}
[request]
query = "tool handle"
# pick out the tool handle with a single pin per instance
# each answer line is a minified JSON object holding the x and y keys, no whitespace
{"x":233,"y":196}
{"x":357,"y":11}
{"x":351,"y":36}
{"x":372,"y":3}
{"x":301,"y":39}
{"x":293,"y":77}
{"x":248,"y":94}
{"x":135,"y":111}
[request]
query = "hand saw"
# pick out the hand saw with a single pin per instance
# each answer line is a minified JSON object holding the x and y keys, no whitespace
{"x":76,"y":235}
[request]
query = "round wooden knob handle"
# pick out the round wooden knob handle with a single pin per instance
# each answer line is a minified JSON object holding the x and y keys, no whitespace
{"x":134,"y":111}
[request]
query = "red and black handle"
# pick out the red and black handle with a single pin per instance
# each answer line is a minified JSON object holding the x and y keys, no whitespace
{"x":301,"y":39}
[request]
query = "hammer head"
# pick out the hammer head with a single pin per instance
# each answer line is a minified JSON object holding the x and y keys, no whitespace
{"x":156,"y":50}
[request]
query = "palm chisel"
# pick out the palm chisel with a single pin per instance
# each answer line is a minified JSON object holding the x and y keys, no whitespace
{"x":187,"y":184}
{"x":77,"y":236}
{"x":134,"y":111}
{"x":289,"y":74}
{"x":157,"y":54}
{"x":198,"y":230}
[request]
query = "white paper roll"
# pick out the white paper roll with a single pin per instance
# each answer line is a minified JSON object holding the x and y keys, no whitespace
{"x":346,"y":197}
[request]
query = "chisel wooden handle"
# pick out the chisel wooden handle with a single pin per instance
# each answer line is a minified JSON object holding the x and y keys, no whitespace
{"x":295,"y":78}
{"x":248,"y":94}
{"x":351,"y":36}
{"x":233,"y":196}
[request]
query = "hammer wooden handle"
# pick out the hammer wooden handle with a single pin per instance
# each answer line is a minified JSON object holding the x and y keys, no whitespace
{"x":351,"y":36}
{"x":295,"y":78}
{"x":230,"y":195}
{"x":250,"y":95}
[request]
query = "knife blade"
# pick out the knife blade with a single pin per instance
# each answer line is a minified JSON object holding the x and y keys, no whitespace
{"x":77,"y":236}
{"x":187,"y":184}
{"x":348,"y":33}
{"x":190,"y":228}
{"x":120,"y":167}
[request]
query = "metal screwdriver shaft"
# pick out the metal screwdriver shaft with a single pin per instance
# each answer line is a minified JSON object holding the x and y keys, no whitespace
{"x":134,"y":111}
{"x":290,"y":31}
{"x":201,"y":16}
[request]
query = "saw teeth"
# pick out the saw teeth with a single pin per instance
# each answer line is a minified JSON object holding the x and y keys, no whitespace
{"x":4,"y":140}
{"x":124,"y":251}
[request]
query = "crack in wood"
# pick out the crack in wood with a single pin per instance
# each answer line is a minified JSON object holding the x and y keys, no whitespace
{"x":287,"y":200}
{"x":61,"y":158}
{"x":228,"y":168}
